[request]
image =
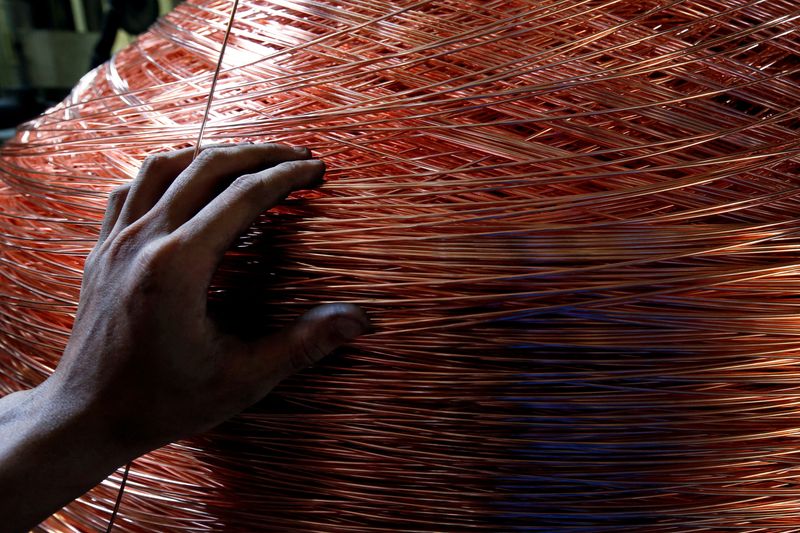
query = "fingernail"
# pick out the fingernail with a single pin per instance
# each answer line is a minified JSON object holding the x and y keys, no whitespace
{"x":319,"y":171}
{"x":302,"y":150}
{"x":349,"y":328}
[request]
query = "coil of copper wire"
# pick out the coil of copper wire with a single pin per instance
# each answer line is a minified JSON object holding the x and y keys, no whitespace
{"x":574,"y":222}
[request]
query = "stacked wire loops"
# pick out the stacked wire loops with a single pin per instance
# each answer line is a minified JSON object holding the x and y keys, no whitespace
{"x":573,"y":222}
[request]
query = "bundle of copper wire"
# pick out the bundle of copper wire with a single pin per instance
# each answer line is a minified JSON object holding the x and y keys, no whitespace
{"x":573,"y":222}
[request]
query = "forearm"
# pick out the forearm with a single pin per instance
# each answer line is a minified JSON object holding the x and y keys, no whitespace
{"x":52,"y":450}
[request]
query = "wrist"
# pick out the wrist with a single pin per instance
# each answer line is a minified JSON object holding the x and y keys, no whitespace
{"x":57,"y":413}
{"x":52,"y":450}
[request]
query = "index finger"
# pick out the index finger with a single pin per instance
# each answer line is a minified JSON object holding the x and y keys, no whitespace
{"x":211,"y":232}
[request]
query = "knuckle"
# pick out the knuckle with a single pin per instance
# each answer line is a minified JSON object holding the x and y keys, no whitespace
{"x":153,"y":263}
{"x":148,"y":259}
{"x":204,"y":157}
{"x":154,"y":163}
{"x":158,"y":253}
{"x":307,"y":353}
{"x":246,"y":184}
{"x":137,"y":239}
{"x":212,"y":154}
{"x":122,"y":244}
{"x":118,"y":193}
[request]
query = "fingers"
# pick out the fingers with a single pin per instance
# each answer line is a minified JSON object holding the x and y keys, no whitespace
{"x":154,"y":178}
{"x":157,"y":173}
{"x":116,"y":199}
{"x":213,"y":171}
{"x":211,"y":232}
{"x":313,"y":336}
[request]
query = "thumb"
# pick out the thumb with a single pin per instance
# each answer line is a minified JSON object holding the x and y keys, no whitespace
{"x":317,"y":333}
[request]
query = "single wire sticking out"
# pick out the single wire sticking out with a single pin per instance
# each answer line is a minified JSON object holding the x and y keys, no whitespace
{"x":214,"y":79}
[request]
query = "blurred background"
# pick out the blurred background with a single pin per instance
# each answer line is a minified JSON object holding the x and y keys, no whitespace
{"x":47,"y":45}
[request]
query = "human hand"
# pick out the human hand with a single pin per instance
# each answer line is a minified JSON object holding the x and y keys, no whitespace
{"x":144,"y":355}
{"x":145,"y":364}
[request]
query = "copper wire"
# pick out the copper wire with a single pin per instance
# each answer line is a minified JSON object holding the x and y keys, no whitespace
{"x":573,"y":222}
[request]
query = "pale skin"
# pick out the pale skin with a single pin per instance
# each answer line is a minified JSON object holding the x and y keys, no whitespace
{"x":145,"y":364}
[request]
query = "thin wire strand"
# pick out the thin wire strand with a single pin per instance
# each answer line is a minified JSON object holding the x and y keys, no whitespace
{"x":214,"y":79}
{"x":119,"y":497}
{"x":196,"y":151}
